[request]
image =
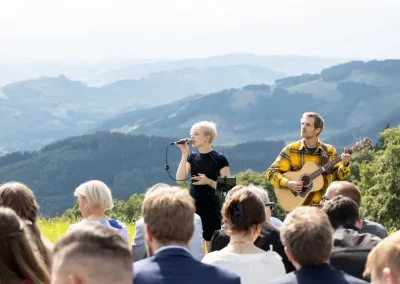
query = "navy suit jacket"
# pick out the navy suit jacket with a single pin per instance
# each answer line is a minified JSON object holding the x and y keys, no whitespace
{"x":177,"y":266}
{"x":317,"y":274}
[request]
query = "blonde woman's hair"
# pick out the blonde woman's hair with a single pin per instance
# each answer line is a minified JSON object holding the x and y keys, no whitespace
{"x":96,"y":193}
{"x":209,"y":128}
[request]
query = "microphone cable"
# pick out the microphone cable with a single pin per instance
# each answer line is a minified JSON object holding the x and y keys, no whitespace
{"x":167,"y":167}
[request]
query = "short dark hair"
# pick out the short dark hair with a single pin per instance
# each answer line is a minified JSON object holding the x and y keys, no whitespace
{"x":307,"y":235}
{"x":341,"y":211}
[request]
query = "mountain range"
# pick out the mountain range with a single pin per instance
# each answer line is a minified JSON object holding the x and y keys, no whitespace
{"x":38,"y":111}
{"x":355,"y":99}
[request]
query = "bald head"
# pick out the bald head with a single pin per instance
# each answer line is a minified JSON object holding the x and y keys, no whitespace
{"x":92,"y":254}
{"x":344,"y":188}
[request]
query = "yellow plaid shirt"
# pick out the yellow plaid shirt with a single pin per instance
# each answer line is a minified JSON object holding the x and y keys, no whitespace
{"x":295,"y":155}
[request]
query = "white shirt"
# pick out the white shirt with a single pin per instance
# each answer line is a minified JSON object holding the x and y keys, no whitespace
{"x":252,"y":268}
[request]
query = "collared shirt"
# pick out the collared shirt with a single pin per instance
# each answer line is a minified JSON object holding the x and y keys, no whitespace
{"x":295,"y":155}
{"x":171,"y":247}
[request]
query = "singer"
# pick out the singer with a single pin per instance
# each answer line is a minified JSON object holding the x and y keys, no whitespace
{"x":205,"y":166}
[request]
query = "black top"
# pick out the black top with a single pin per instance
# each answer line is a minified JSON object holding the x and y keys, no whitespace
{"x":270,"y":237}
{"x":209,"y":164}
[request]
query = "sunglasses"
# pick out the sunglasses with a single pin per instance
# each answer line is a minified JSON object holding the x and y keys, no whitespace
{"x":270,"y":205}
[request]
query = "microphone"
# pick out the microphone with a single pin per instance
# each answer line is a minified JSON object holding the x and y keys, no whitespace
{"x":182,"y":141}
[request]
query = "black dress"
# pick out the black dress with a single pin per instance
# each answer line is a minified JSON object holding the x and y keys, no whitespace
{"x":208,"y":205}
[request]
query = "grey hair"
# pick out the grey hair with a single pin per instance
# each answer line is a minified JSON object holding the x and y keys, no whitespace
{"x":260,"y":192}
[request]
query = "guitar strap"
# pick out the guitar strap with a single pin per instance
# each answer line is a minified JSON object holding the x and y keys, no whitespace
{"x":324,"y":155}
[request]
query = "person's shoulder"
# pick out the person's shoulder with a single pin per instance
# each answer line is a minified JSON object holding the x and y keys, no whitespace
{"x":218,"y":273}
{"x":142,"y":265}
{"x":369,"y":223}
{"x":351,"y":279}
{"x":79,"y":224}
{"x":217,"y":154}
{"x":289,"y":278}
{"x":373,"y":228}
{"x":293,"y":145}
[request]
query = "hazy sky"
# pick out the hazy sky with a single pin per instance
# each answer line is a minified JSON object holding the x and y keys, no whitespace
{"x":199,"y":28}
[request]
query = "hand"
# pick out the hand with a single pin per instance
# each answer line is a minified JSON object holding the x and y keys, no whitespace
{"x":296,"y":186}
{"x":184,"y":148}
{"x":201,"y":179}
{"x":346,"y":157}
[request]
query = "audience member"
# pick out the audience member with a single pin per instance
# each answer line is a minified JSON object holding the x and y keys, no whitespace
{"x":244,"y":215}
{"x":168,"y":215}
{"x":196,"y":245}
{"x":95,"y":199}
{"x":92,"y":254}
{"x":350,"y":248}
{"x":307,"y":236}
{"x":19,"y":261}
{"x":350,"y":190}
{"x":269,"y":234}
{"x":383,"y":264}
{"x":21,"y":199}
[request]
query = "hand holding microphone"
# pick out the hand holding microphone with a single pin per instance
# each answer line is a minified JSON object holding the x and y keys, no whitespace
{"x":183,"y":144}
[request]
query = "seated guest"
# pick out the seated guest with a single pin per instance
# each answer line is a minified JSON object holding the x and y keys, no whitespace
{"x":196,"y":245}
{"x":350,"y":248}
{"x":383,"y":264}
{"x":350,"y":190}
{"x":92,"y":254}
{"x":168,"y":214}
{"x":21,"y":199}
{"x":269,"y":234}
{"x":307,"y":236}
{"x":244,"y":215}
{"x":19,"y":261}
{"x":95,"y":199}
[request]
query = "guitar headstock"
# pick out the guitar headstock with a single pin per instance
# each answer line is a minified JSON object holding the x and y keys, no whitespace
{"x":361,"y":145}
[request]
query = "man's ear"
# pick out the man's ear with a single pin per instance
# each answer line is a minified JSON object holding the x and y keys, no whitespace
{"x":289,"y":255}
{"x":359,"y":223}
{"x":149,"y":236}
{"x":73,"y":279}
{"x":318,"y":130}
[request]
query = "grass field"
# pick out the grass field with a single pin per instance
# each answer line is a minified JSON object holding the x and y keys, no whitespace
{"x":53,"y":229}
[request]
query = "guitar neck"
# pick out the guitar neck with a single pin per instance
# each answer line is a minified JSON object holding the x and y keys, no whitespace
{"x":327,"y":167}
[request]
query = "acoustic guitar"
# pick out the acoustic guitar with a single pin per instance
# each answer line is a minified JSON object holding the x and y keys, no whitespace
{"x":311,"y":175}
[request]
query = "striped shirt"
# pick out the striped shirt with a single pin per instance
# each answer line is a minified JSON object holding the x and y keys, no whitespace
{"x":295,"y":155}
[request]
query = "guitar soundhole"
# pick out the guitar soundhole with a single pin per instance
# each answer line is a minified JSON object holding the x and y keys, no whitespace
{"x":306,"y":179}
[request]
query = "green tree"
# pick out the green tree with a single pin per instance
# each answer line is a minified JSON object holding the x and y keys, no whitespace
{"x":379,"y":182}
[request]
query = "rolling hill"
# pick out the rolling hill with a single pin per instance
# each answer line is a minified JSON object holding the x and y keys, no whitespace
{"x":127,"y":163}
{"x":38,"y":111}
{"x":350,"y":96}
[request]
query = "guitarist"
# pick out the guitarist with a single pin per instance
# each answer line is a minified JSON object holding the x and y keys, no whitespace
{"x":310,"y":148}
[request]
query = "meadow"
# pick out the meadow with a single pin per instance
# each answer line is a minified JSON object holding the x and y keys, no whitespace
{"x":55,"y":228}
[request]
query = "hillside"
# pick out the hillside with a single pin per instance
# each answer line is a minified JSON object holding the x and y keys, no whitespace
{"x":349,"y":96}
{"x":127,"y":163}
{"x":286,"y":64}
{"x":38,"y":111}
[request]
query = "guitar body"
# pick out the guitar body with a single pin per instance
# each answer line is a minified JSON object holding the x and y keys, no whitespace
{"x":289,"y":200}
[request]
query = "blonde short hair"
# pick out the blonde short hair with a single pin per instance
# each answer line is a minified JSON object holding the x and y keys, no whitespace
{"x":385,"y":254}
{"x":209,"y":128}
{"x":96,"y":193}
